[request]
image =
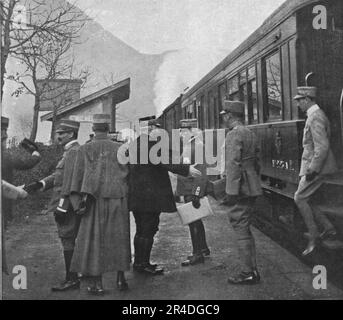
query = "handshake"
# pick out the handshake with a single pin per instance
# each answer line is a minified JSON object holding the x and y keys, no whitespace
{"x":29,"y":146}
{"x":33,"y":187}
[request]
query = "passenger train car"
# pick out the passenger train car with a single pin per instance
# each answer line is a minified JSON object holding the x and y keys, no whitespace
{"x":303,"y":39}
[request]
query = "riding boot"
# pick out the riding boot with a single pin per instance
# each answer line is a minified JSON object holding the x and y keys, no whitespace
{"x":146,"y":267}
{"x":68,"y":255}
{"x":71,"y":281}
{"x":202,"y":238}
{"x":121,"y":281}
{"x":196,"y":237}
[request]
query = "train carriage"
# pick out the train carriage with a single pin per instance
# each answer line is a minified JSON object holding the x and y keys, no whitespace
{"x":302,"y":39}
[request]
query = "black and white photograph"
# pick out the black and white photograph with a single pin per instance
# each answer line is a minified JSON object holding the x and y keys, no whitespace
{"x":171,"y":154}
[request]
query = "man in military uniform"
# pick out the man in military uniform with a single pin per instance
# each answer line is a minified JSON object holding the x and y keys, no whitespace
{"x":242,"y":187}
{"x":317,"y":159}
{"x":192,"y":189}
{"x":61,"y":202}
{"x":150,"y":194}
{"x":11,"y":162}
{"x":103,"y":243}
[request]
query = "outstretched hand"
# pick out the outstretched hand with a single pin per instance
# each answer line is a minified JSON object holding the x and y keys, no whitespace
{"x":33,"y":187}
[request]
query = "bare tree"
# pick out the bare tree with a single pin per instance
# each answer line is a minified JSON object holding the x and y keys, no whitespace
{"x":43,"y":46}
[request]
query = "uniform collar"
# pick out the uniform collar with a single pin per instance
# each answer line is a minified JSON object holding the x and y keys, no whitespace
{"x":101,"y":136}
{"x":69,"y":145}
{"x":235,"y":124}
{"x":311,"y":110}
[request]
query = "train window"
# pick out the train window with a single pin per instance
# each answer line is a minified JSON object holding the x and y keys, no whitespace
{"x":252,"y":96}
{"x":194,"y":109}
{"x":244,"y":98}
{"x":202,"y":112}
{"x":215,"y":112}
{"x":243,"y":77}
{"x":272,"y":78}
{"x":210,"y":107}
{"x":221,"y":97}
{"x":190,"y":111}
{"x":233,"y":86}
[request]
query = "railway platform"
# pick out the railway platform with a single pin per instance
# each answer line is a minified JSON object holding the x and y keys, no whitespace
{"x":35,"y":245}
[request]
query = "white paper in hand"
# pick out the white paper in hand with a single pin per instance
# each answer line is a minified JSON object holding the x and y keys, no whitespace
{"x":189,"y":214}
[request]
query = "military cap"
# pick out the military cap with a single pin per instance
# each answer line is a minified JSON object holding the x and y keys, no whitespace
{"x":188,"y":123}
{"x":4,"y":122}
{"x":233,"y":106}
{"x":154,"y":122}
{"x":66,"y":125}
{"x":101,"y":118}
{"x":303,"y":92}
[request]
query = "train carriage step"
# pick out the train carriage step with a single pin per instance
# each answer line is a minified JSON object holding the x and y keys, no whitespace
{"x":332,"y":244}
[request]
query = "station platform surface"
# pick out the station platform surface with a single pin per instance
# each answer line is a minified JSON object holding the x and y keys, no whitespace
{"x":35,"y":245}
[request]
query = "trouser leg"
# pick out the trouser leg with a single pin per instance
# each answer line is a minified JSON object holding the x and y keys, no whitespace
{"x":240,"y":216}
{"x":253,"y":253}
{"x":322,"y":219}
{"x":307,"y":214}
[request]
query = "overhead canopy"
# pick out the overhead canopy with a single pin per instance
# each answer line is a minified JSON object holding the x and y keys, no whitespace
{"x":119,"y":92}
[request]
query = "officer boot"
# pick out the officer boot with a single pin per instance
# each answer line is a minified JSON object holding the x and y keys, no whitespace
{"x":146,"y":251}
{"x":138,"y":251}
{"x":202,"y":238}
{"x":249,"y":273}
{"x":196,"y":238}
{"x":71,"y":281}
{"x":121,"y":281}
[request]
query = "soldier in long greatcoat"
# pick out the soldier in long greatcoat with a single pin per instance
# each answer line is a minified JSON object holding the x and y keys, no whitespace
{"x":103,"y":242}
{"x":316,"y":161}
{"x":61,"y":202}
{"x":242,"y":187}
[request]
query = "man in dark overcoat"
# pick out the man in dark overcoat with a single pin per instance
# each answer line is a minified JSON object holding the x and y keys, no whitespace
{"x":150,"y":193}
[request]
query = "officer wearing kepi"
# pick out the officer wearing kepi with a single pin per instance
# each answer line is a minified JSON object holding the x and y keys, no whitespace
{"x":242,"y":187}
{"x":317,"y":159}
{"x":61,"y":203}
